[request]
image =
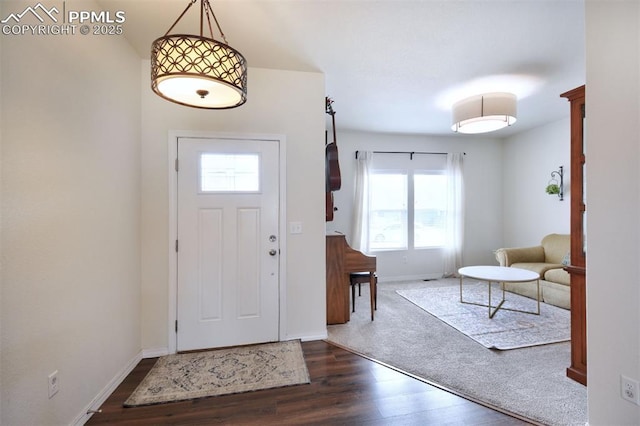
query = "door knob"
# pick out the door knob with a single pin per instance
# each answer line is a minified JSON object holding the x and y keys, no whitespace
{"x":273,"y":252}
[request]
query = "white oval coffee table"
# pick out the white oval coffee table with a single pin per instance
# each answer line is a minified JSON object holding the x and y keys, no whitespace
{"x":500,"y":274}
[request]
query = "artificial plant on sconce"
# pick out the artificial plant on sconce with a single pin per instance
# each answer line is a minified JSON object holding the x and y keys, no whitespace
{"x":555,"y":187}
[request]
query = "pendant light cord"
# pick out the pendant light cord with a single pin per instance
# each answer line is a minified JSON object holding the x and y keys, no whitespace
{"x":210,"y":9}
{"x":205,"y":8}
{"x":180,"y":17}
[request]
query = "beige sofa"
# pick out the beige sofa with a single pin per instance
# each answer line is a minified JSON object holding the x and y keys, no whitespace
{"x":547,"y":259}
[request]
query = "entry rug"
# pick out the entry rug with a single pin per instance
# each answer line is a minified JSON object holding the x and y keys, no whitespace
{"x":507,"y":329}
{"x":224,"y":371}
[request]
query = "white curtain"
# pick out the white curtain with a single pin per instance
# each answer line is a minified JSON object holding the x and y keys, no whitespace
{"x":455,"y":215}
{"x":360,"y":220}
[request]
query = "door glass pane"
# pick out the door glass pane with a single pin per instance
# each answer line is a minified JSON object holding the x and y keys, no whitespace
{"x":229,"y":172}
{"x":430,"y":207}
{"x":388,"y":213}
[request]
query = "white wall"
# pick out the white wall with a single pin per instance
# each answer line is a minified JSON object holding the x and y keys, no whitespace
{"x":70,"y":241}
{"x":613,"y":205}
{"x":1,"y":207}
{"x":279,"y":102}
{"x":482,"y":174}
{"x":529,"y":158}
{"x":70,"y":215}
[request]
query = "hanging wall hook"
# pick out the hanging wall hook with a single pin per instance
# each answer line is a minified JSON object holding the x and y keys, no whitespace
{"x":555,"y":187}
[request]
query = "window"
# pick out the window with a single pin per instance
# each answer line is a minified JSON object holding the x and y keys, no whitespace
{"x":388,"y":214}
{"x":407,"y":209}
{"x":430,"y":208}
{"x":229,"y":172}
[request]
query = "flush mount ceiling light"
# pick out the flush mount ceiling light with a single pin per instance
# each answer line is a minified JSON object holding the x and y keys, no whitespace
{"x":198,"y":71}
{"x":484,"y":113}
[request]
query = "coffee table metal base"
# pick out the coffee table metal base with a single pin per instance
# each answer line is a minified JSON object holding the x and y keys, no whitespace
{"x":493,"y":309}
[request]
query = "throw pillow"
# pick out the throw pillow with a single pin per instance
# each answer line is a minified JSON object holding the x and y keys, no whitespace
{"x":566,"y":260}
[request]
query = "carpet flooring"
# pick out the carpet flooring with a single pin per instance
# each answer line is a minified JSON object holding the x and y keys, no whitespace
{"x":529,"y":382}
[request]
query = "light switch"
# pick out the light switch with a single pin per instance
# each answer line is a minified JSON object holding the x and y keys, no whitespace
{"x":295,"y":227}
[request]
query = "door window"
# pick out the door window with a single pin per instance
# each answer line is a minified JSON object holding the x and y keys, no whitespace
{"x":229,"y":172}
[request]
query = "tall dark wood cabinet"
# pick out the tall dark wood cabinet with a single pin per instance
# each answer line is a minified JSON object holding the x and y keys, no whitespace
{"x":578,"y":267}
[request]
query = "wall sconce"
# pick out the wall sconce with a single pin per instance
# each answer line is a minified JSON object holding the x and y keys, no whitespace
{"x":554,"y":187}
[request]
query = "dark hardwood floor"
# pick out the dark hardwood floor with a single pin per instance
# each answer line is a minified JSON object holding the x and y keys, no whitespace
{"x":345,"y":389}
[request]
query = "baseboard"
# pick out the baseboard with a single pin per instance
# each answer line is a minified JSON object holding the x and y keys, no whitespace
{"x":432,"y":276}
{"x":90,"y":409}
{"x":155,"y":352}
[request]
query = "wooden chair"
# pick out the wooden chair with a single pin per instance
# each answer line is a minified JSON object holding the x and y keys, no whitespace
{"x":360,"y":278}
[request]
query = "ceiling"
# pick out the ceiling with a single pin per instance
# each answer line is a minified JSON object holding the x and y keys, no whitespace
{"x":397,"y":66}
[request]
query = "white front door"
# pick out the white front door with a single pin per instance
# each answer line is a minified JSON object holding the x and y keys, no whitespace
{"x":228,"y":242}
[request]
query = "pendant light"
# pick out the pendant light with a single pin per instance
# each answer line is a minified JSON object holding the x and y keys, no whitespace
{"x":484,"y":113}
{"x":198,"y":71}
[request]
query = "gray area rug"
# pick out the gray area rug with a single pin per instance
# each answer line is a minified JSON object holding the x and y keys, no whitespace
{"x":529,"y":382}
{"x":507,"y":329}
{"x":224,"y":371}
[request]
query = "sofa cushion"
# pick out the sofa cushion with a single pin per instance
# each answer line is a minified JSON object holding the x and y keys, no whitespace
{"x":559,"y":276}
{"x":539,"y":267}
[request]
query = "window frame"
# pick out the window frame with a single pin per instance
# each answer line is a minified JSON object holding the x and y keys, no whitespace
{"x":409,"y":173}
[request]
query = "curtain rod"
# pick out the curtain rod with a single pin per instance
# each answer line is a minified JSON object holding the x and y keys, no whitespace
{"x":411,"y":153}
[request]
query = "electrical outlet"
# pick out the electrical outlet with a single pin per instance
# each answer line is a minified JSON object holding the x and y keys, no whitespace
{"x":54,"y":385}
{"x":629,"y":389}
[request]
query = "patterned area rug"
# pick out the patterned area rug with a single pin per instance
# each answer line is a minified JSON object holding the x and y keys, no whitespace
{"x":223,"y":371}
{"x":507,"y":329}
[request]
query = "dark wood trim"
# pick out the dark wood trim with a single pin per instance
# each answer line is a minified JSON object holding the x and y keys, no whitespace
{"x":575,"y":269}
{"x":578,"y":368}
